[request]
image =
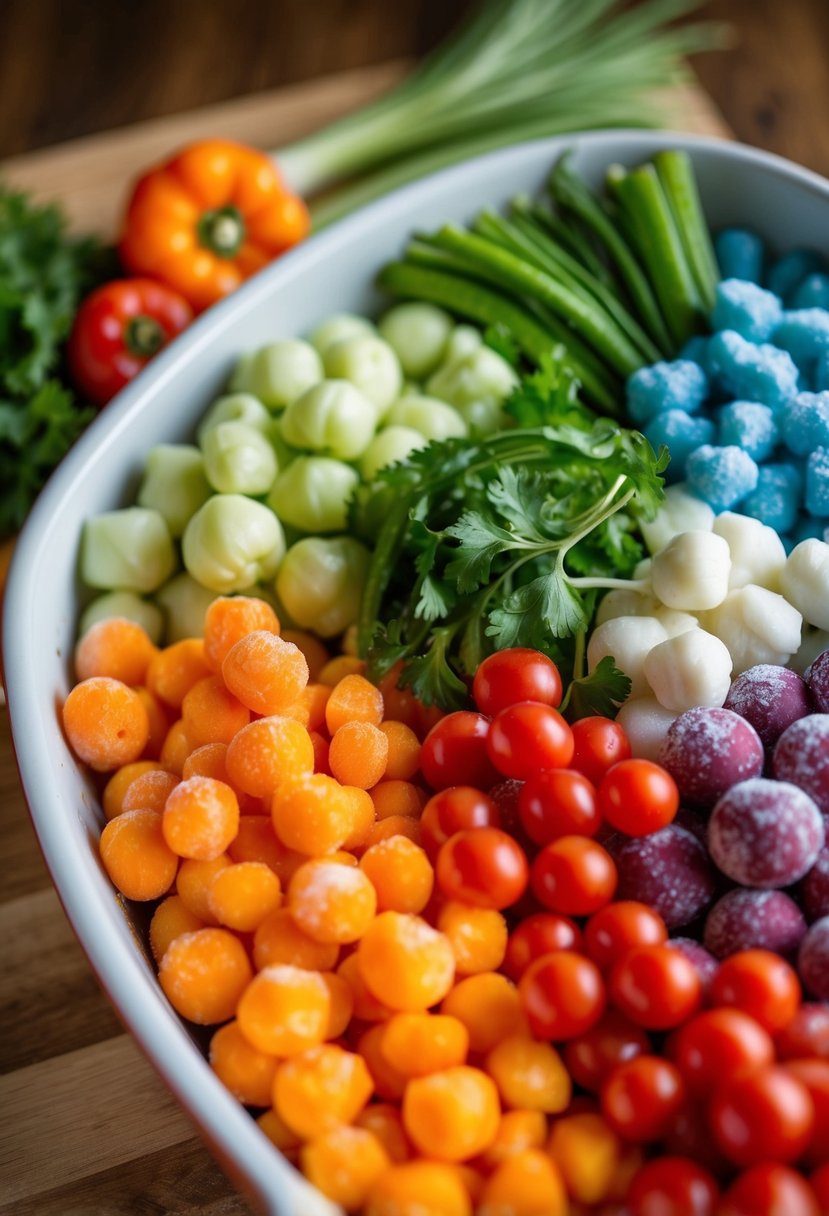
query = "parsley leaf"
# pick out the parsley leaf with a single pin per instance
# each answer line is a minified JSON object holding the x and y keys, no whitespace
{"x":602,"y":692}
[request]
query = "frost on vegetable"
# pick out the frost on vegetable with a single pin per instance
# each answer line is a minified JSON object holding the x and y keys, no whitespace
{"x":320,"y":583}
{"x":332,"y":417}
{"x":231,"y":543}
{"x":279,"y":373}
{"x":127,"y":550}
{"x":313,"y":494}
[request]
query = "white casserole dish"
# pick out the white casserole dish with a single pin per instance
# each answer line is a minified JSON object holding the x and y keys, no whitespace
{"x":331,"y":272}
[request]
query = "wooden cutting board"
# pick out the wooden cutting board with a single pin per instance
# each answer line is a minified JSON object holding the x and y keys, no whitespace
{"x":86,"y":1126}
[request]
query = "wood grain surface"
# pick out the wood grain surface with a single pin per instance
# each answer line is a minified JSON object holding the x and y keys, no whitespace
{"x":86,"y":1127}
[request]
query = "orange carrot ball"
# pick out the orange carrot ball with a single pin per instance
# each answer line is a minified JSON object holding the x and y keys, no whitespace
{"x":525,"y":1184}
{"x":207,"y":761}
{"x":211,"y":713}
{"x":171,"y":918}
{"x":452,"y":1115}
{"x":193,"y":883}
{"x":344,"y":1163}
{"x":404,"y":751}
{"x":393,"y":825}
{"x":353,"y":699}
{"x":405,"y":963}
{"x":264,"y":672}
{"x":588,"y":1153}
{"x":331,"y":902}
{"x":312,"y":814}
{"x":398,"y":798}
{"x":114,"y":647}
{"x":309,"y":708}
{"x":136,"y":856}
{"x":159,"y":717}
{"x":478,"y":936}
{"x":256,"y":841}
{"x":242,"y":895}
{"x":384,"y":1120}
{"x":246,"y":1072}
{"x":358,"y":754}
{"x":340,"y":666}
{"x":489,"y":1007}
{"x":316,"y":654}
{"x":401,"y":874}
{"x":149,"y":791}
{"x":417,"y":1044}
{"x":229,"y":618}
{"x":201,"y":818}
{"x":204,"y":974}
{"x":284,"y":1010}
{"x":116,"y":787}
{"x":105,"y":722}
{"x":529,"y":1075}
{"x":278,"y":1132}
{"x":363,"y":817}
{"x":174,"y":670}
{"x":367,"y":1008}
{"x":321,"y":1088}
{"x":175,"y":749}
{"x":342,"y":1003}
{"x":279,"y":939}
{"x":420,"y":1188}
{"x":267,"y":752}
{"x":517,"y":1130}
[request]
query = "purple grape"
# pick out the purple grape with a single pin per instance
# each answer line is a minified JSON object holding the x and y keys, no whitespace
{"x":749,"y":920}
{"x":769,"y":698}
{"x":802,"y":757}
{"x":701,"y":958}
{"x":817,"y":677}
{"x":669,"y":870}
{"x":813,"y":959}
{"x":814,"y":889}
{"x":765,"y":833}
{"x":706,"y":751}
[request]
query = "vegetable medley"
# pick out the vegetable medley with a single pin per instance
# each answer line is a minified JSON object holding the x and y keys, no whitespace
{"x":471,"y":747}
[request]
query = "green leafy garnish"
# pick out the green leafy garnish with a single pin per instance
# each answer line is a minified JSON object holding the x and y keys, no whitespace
{"x":602,"y":692}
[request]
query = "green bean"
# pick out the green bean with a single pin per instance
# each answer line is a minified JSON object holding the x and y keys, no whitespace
{"x":676,"y":173}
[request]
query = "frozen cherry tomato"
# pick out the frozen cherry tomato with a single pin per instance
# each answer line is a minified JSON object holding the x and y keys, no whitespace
{"x":515,"y":675}
{"x":455,"y":752}
{"x":484,"y":867}
{"x":598,"y":744}
{"x":527,"y":737}
{"x":558,"y":802}
{"x":562,"y":995}
{"x":618,"y":927}
{"x":540,"y":933}
{"x":454,"y":810}
{"x":638,"y":797}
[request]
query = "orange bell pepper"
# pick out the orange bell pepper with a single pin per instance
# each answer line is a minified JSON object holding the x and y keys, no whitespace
{"x":211,"y":216}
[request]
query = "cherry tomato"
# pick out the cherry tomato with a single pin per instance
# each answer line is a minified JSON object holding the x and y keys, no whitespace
{"x":641,"y":1098}
{"x":592,"y":1056}
{"x":540,"y":933}
{"x":455,"y":752}
{"x":689,"y":1136}
{"x":527,"y":737}
{"x":505,"y":796}
{"x":760,"y":983}
{"x":655,"y":986}
{"x":807,"y":1034}
{"x":638,"y":797}
{"x":482,"y":866}
{"x":820,"y":1185}
{"x":454,"y":810}
{"x":717,"y":1044}
{"x":616,"y":928}
{"x":558,"y":802}
{"x":769,"y":1190}
{"x":573,"y":875}
{"x":118,"y":329}
{"x":562,"y":995}
{"x":519,"y":674}
{"x":765,"y":1116}
{"x":598,"y":744}
{"x":814,"y":1074}
{"x":673,"y":1186}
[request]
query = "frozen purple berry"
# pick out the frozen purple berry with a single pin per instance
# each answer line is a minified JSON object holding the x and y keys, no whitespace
{"x":769,"y":698}
{"x":669,"y":870}
{"x":765,"y":833}
{"x":813,"y":959}
{"x":814,"y":889}
{"x":817,"y":677}
{"x":801,"y":756}
{"x":754,"y":920}
{"x":696,"y":954}
{"x":706,"y":751}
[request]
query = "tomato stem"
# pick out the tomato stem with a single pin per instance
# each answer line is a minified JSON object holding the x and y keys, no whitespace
{"x":143,"y":336}
{"x":222,"y":231}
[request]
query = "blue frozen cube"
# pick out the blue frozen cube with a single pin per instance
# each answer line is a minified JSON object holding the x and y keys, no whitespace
{"x":821,"y":373}
{"x":751,"y":372}
{"x":681,"y":434}
{"x":804,"y":333}
{"x":680,"y":385}
{"x":739,"y":254}
{"x":750,"y":426}
{"x":776,"y":497}
{"x":695,"y":350}
{"x":804,"y":423}
{"x":747,"y":309}
{"x":813,"y":292}
{"x":788,"y":272}
{"x":721,"y":476}
{"x":816,"y":498}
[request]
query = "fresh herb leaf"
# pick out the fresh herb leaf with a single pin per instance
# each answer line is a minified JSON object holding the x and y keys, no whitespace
{"x":549,"y":395}
{"x":430,"y":675}
{"x":498,"y":338}
{"x":602,"y":692}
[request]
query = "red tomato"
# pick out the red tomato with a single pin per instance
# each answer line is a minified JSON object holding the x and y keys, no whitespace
{"x":592,"y":1056}
{"x":814,"y":1074}
{"x":807,"y":1034}
{"x":455,"y":752}
{"x":717,"y":1044}
{"x":769,"y":1190}
{"x":541,"y":933}
{"x":454,"y":810}
{"x":760,"y":983}
{"x":638,"y":797}
{"x":673,"y":1186}
{"x":562,"y":995}
{"x":655,"y":986}
{"x":118,"y":329}
{"x":641,"y":1098}
{"x":515,"y":675}
{"x":820,"y":1185}
{"x":558,"y":802}
{"x":482,"y":866}
{"x":574,"y":876}
{"x":765,"y":1116}
{"x":616,"y":928}
{"x":527,"y":737}
{"x":598,"y":744}
{"x":689,"y":1136}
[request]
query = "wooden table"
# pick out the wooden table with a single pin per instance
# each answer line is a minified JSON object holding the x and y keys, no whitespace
{"x":85,"y":1125}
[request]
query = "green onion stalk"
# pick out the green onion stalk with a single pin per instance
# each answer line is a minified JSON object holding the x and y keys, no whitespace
{"x":516,"y":70}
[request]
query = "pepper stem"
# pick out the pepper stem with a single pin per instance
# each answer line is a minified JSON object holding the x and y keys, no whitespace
{"x":143,"y":336}
{"x":222,"y":231}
